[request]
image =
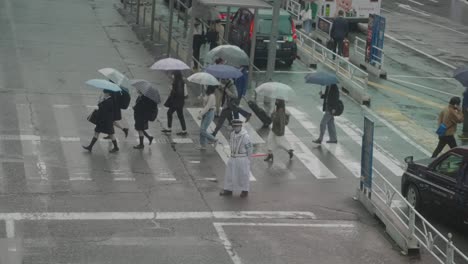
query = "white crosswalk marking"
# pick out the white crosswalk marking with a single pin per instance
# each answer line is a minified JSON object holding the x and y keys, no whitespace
{"x":336,"y":149}
{"x":222,"y":148}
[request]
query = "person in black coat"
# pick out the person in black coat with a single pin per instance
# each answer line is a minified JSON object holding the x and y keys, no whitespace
{"x":175,"y":102}
{"x":142,"y":110}
{"x":331,"y":99}
{"x":116,"y":97}
{"x":104,"y":121}
{"x":339,"y":32}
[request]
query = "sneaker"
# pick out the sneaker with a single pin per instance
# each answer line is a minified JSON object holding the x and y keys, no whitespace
{"x":114,"y":150}
{"x":107,"y":137}
{"x":244,"y":194}
{"x":125,"y":130}
{"x":166,"y":130}
{"x":317,"y":141}
{"x":182,"y":133}
{"x":215,"y":143}
{"x":332,"y":141}
{"x":150,"y":140}
{"x":248,"y":118}
{"x":139,"y":147}
{"x":225,"y":193}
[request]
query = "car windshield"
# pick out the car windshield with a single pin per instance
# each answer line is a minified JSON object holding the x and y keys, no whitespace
{"x":264,"y":26}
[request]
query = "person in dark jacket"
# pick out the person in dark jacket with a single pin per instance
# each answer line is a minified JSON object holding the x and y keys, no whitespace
{"x":116,"y":97}
{"x":104,"y":121}
{"x":339,"y":32}
{"x":276,"y":137}
{"x":142,"y":110}
{"x":175,"y":102}
{"x":330,"y":106}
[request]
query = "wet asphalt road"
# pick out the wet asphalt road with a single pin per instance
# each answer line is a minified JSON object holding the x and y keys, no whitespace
{"x":48,"y":50}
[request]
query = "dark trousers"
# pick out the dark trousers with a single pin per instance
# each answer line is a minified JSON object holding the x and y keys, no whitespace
{"x":241,"y":111}
{"x":180,"y":115}
{"x":450,"y":140}
{"x":213,"y":45}
{"x":465,"y":122}
{"x":338,"y":43}
{"x":197,"y":43}
{"x":225,"y":113}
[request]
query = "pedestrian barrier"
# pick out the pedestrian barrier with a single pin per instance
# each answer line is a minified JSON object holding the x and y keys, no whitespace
{"x":405,"y":225}
{"x":375,"y":64}
{"x":353,"y":79}
{"x":294,"y":8}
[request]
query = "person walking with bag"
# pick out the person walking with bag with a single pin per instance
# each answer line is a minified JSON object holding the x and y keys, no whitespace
{"x":237,"y":176}
{"x":276,"y":136}
{"x":199,"y":38}
{"x":308,"y":14}
{"x":331,"y":99}
{"x":144,"y":110}
{"x":119,"y":101}
{"x":228,"y":100}
{"x":339,"y":31}
{"x":104,"y":119}
{"x":448,"y":119}
{"x":206,"y":116}
{"x":175,"y":102}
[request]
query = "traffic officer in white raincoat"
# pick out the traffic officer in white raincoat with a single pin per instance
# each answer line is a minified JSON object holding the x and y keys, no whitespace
{"x":237,"y":175}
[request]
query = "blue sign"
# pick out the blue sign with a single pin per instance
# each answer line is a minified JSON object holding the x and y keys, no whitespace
{"x":378,"y":36}
{"x":367,"y":154}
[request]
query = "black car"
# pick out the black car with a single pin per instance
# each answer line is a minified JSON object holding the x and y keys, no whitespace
{"x":441,"y":182}
{"x":242,"y":25}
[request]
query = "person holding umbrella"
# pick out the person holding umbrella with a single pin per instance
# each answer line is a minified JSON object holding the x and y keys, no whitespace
{"x":175,"y":102}
{"x":238,"y":167}
{"x":206,"y":116}
{"x":104,"y":121}
{"x":118,"y":98}
{"x":229,"y":100}
{"x":331,"y":99}
{"x":276,"y":136}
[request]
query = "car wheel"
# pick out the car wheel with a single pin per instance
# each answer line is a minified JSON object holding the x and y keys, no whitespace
{"x":413,"y":197}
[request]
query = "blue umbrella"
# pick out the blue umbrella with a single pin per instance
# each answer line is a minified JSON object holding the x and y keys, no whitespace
{"x":321,"y":78}
{"x":223,"y":71}
{"x":461,"y":75}
{"x":103,"y":84}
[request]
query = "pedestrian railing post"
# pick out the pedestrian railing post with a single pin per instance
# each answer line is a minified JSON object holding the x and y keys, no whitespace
{"x":450,"y":251}
{"x":138,"y":12}
{"x":144,"y":15}
{"x":125,"y":4}
{"x":153,"y":11}
{"x":159,"y":31}
{"x":412,"y":221}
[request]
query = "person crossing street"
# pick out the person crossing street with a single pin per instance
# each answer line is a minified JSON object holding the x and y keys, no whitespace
{"x":276,"y":136}
{"x":237,"y":176}
{"x":449,"y":117}
{"x":331,"y":99}
{"x":142,"y":111}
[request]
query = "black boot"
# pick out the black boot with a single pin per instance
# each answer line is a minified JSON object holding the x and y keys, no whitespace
{"x":225,"y":193}
{"x":150,"y":138}
{"x":125,"y":130}
{"x":244,"y":194}
{"x":291,"y":153}
{"x":140,"y":146}
{"x":90,"y":147}
{"x":116,"y":147}
{"x":269,"y":157}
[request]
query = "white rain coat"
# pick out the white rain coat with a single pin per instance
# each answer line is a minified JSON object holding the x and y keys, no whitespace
{"x":237,"y":177}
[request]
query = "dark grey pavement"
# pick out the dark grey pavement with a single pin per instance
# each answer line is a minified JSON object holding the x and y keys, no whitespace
{"x":142,"y":206}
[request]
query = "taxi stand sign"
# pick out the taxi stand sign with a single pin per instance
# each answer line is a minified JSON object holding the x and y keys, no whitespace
{"x":367,"y":156}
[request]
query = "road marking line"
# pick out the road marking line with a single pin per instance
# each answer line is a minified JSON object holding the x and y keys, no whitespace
{"x":418,"y":3}
{"x":336,"y":149}
{"x":420,"y":51}
{"x":397,"y":131}
{"x":235,"y":256}
{"x":254,"y":136}
{"x":421,"y":77}
{"x":66,"y":216}
{"x":413,"y":97}
{"x":409,"y":8}
{"x":307,"y":157}
{"x":422,"y":86}
{"x":223,"y":147}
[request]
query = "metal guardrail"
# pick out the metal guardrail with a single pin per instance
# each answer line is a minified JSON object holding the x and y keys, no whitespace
{"x":377,"y":57}
{"x":417,"y":227}
{"x":294,"y":8}
{"x":340,"y":65}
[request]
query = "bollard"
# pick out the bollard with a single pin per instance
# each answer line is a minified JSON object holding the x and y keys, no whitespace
{"x":138,"y":12}
{"x":449,"y":252}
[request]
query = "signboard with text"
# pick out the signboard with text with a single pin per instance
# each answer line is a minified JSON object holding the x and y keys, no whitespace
{"x":367,"y":154}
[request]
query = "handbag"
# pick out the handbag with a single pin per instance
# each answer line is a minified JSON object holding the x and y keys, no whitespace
{"x":169,"y":102}
{"x":442,"y":129}
{"x":93,"y":117}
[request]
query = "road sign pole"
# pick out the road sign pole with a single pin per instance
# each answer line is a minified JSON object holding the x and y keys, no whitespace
{"x":273,"y":38}
{"x":169,"y":37}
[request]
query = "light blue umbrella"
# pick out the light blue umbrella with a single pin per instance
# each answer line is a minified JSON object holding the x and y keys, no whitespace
{"x":223,"y":71}
{"x":321,"y":78}
{"x":461,"y":75}
{"x":103,"y":85}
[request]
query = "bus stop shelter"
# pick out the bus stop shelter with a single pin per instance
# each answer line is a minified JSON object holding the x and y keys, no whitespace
{"x":252,"y":4}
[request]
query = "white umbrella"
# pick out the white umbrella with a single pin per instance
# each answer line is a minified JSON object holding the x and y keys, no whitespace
{"x":115,"y":76}
{"x":203,"y":78}
{"x":231,"y":54}
{"x":170,"y":64}
{"x":275,"y":90}
{"x":103,"y":85}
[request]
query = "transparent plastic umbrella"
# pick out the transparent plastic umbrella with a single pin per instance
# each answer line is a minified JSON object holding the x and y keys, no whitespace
{"x":103,"y":85}
{"x":170,"y":64}
{"x":117,"y":77}
{"x":232,"y":55}
{"x":203,"y":78}
{"x":276,"y":90}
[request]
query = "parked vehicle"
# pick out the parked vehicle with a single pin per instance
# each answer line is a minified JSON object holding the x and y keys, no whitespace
{"x":440,"y":182}
{"x":241,"y":33}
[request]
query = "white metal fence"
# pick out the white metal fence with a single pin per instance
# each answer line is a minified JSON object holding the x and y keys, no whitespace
{"x":417,"y":227}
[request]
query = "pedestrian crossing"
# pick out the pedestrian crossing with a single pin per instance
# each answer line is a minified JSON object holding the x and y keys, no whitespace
{"x":51,"y":158}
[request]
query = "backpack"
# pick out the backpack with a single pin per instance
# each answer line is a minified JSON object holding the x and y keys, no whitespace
{"x":339,"y":108}
{"x":124,"y":100}
{"x":154,"y":113}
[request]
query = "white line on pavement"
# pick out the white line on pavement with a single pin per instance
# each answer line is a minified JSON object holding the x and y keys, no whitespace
{"x":422,"y":86}
{"x":407,"y":7}
{"x":68,"y":216}
{"x":223,"y":147}
{"x":336,"y":149}
{"x":310,"y":161}
{"x":421,"y":77}
{"x":418,"y":3}
{"x":420,"y":51}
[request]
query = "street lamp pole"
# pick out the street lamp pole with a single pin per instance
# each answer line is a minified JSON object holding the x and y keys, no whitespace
{"x":273,"y":39}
